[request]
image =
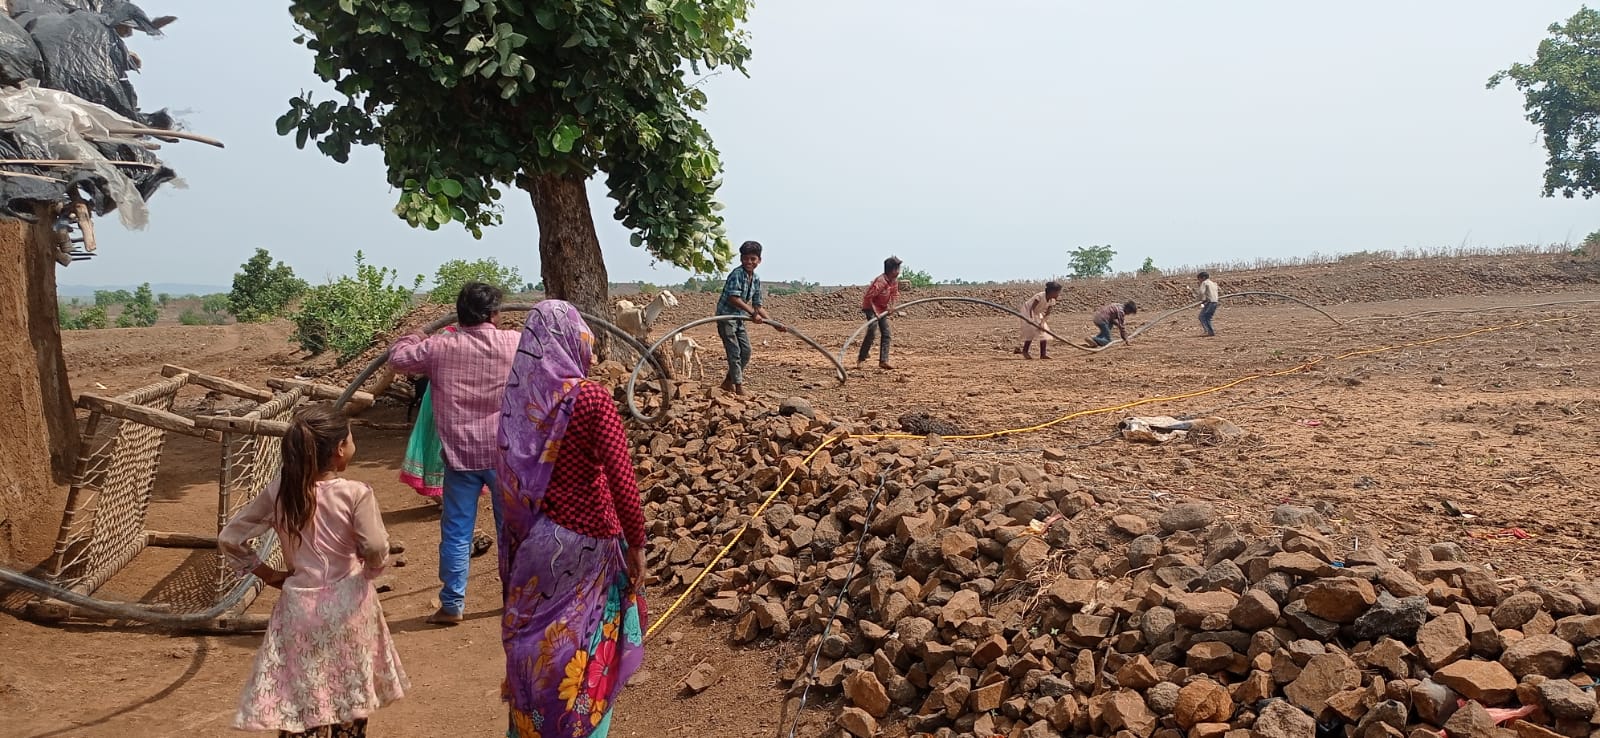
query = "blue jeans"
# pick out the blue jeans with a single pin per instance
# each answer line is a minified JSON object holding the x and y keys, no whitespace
{"x":736,"y":342}
{"x":1105,"y":333}
{"x":1207,"y":310}
{"x":458,"y":517}
{"x":881,"y":325}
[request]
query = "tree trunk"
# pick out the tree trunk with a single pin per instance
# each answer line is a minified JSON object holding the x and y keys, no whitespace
{"x":40,"y":447}
{"x":570,"y":261}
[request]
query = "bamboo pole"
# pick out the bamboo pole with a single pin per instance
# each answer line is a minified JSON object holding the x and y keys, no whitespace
{"x":253,"y":426}
{"x":162,"y":539}
{"x":225,"y":386}
{"x":359,"y":401}
{"x":147,"y":415}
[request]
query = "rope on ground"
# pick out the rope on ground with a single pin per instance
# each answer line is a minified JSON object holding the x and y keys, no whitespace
{"x":668,"y":336}
{"x":831,"y":440}
{"x":844,"y":590}
{"x":733,"y":540}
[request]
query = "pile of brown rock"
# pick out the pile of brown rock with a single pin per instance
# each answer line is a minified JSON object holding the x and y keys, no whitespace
{"x":1011,"y":599}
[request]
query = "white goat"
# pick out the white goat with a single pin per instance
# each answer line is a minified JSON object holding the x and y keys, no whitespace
{"x":686,"y":357}
{"x":637,"y":321}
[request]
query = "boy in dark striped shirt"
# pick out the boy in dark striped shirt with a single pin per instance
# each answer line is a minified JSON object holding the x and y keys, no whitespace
{"x":741,"y":295}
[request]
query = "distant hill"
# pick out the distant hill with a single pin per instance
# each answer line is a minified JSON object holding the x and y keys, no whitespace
{"x":171,"y":288}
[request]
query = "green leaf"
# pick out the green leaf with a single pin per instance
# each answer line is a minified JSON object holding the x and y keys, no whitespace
{"x":288,"y":122}
{"x":451,"y":188}
{"x":636,"y":239}
{"x":546,"y":17}
{"x":348,"y":6}
{"x":475,"y":44}
{"x":564,"y":137}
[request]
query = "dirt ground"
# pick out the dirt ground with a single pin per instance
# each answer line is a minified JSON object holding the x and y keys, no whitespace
{"x":1499,"y":423}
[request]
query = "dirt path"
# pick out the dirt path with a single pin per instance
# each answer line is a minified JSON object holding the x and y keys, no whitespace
{"x":1500,"y":423}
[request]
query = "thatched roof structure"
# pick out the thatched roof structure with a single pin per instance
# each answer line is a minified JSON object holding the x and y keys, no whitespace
{"x":73,"y":142}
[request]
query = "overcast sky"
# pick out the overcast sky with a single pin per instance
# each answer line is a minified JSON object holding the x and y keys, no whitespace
{"x":974,"y":140}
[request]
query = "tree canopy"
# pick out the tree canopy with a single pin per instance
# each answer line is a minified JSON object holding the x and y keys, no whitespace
{"x":467,"y":96}
{"x":1561,"y":88}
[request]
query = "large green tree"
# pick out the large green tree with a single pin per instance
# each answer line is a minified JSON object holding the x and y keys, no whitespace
{"x":468,"y":96}
{"x":1561,"y":89}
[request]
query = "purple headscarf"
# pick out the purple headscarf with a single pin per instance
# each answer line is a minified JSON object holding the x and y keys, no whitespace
{"x":552,"y":360}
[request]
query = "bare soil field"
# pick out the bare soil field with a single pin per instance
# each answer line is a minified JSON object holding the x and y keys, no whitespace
{"x":1498,"y":423}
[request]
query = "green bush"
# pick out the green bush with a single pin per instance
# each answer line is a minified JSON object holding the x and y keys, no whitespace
{"x":346,"y":314}
{"x":1148,"y":267}
{"x":1090,"y":261}
{"x":916,"y":278}
{"x":107,"y":298}
{"x":199,"y":317}
{"x":215,"y":304}
{"x":87,"y":318}
{"x":140,"y":311}
{"x":454,"y":274}
{"x":262,"y":290}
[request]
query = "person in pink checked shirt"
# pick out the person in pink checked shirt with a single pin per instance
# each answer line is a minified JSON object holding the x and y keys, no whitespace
{"x":467,"y":372}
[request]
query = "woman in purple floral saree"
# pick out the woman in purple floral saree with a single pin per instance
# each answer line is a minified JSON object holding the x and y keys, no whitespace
{"x":572,"y":541}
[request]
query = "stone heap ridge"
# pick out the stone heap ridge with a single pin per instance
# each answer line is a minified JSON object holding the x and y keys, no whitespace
{"x":1012,"y":599}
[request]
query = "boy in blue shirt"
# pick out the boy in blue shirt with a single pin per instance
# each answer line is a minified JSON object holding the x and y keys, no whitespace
{"x":741,"y":295}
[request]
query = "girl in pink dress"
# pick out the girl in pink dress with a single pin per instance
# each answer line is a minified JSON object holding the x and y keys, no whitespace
{"x":327,"y":661}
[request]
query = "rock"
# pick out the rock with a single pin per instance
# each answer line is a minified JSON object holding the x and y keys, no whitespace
{"x":1143,"y":550}
{"x":1299,"y":563}
{"x":779,"y":516}
{"x":1290,"y":516}
{"x":1443,"y":640}
{"x":1126,"y":710}
{"x":700,"y":678}
{"x":1202,"y":701}
{"x":1485,"y":681}
{"x":1515,"y":610}
{"x":1130,"y":525}
{"x":858,"y":723}
{"x":1255,"y":610}
{"x":1578,"y":629}
{"x":1400,"y":582}
{"x":1339,"y":599}
{"x":1160,"y":624}
{"x":865,"y":691}
{"x":1024,"y":554}
{"x":1187,"y":516}
{"x":914,"y":631}
{"x":1192,"y":609}
{"x":1279,"y":719}
{"x":1471,"y":721}
{"x":1138,"y":674}
{"x":988,"y":697}
{"x":1208,"y":657}
{"x":1163,"y":698}
{"x":1392,"y":713}
{"x":1323,"y":677}
{"x":1222,"y":575}
{"x":1072,"y":595}
{"x":954,"y":543}
{"x":1590,"y":653}
{"x":1546,"y":654}
{"x":1390,"y":657}
{"x":1389,"y":616}
{"x":1566,"y":701}
{"x":1307,"y":625}
{"x":797,"y":406}
{"x":961,"y":607}
{"x":1301,"y":540}
{"x":1064,"y":712}
{"x":1434,"y":702}
{"x":1526,"y":729}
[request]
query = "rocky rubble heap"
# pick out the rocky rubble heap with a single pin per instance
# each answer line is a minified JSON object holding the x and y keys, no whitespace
{"x":1011,"y":599}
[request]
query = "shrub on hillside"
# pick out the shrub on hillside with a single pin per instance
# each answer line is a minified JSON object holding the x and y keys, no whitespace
{"x":346,"y":314}
{"x":140,"y":311}
{"x":453,"y":274}
{"x":192,"y":316}
{"x":261,"y":290}
{"x":85,"y":319}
